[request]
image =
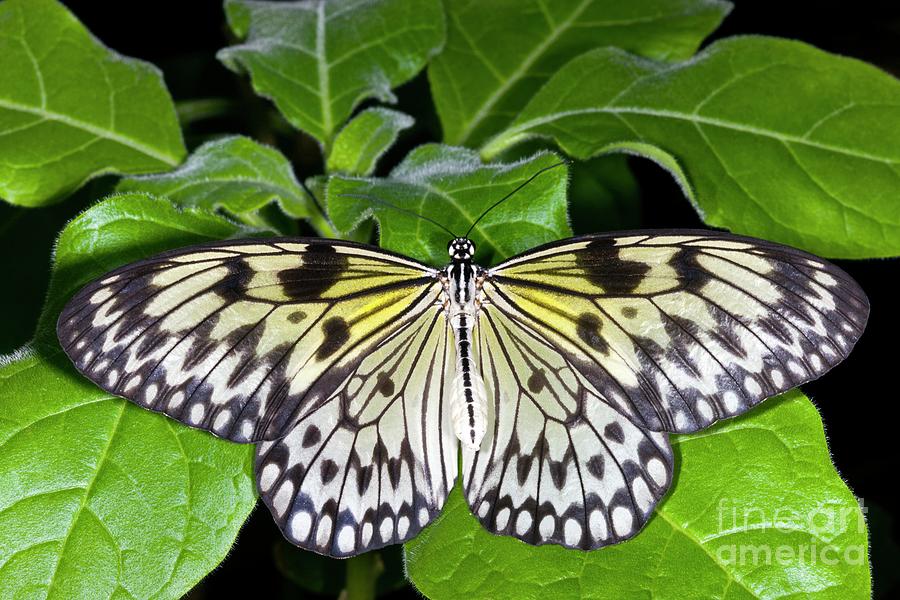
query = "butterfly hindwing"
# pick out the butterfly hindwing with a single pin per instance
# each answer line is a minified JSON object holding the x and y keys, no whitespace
{"x":560,"y":464}
{"x":373,"y":463}
{"x":679,"y":330}
{"x":236,"y":337}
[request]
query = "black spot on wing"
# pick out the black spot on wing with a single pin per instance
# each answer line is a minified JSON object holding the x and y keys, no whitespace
{"x":588,"y":328}
{"x":537,"y":381}
{"x":614,"y":432}
{"x":691,"y":274}
{"x":596,"y":466}
{"x":523,"y":467}
{"x":311,"y":437}
{"x":364,"y":478}
{"x":603,"y":267}
{"x":233,"y":286}
{"x":385,"y":384}
{"x":320,"y":269}
{"x":329,"y":470}
{"x":336,"y":333}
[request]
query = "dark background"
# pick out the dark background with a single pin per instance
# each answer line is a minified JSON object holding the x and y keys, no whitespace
{"x":857,"y":400}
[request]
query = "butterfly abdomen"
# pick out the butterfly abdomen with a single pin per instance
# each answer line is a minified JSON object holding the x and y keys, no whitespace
{"x":469,"y":409}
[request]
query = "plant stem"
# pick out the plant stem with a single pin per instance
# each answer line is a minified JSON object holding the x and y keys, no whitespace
{"x":321,"y":224}
{"x":362,"y":574}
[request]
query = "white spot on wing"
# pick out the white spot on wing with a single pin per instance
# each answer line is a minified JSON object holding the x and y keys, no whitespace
{"x":222,"y":420}
{"x":197,"y":411}
{"x":176,"y":400}
{"x":705,"y":410}
{"x":547,"y":526}
{"x":622,"y":521}
{"x":346,"y":539}
{"x":572,"y":532}
{"x":502,"y":518}
{"x":283,"y":497}
{"x":752,"y":386}
{"x":268,"y":476}
{"x":657,"y":470}
{"x":523,"y":522}
{"x":597,"y":525}
{"x":642,"y":496}
{"x":402,"y":526}
{"x":386,"y":529}
{"x":732,"y":401}
{"x":777,"y":378}
{"x":300,"y":525}
{"x":323,"y":531}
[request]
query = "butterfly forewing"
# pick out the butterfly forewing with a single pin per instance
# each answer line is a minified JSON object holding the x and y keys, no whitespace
{"x":678,"y":331}
{"x":373,"y":463}
{"x":235,"y":337}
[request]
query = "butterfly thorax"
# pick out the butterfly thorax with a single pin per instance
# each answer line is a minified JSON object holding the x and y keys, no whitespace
{"x":469,"y":408}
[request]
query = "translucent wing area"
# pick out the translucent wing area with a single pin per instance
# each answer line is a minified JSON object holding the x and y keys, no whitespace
{"x":677,"y":331}
{"x":560,"y":465}
{"x":239,"y":337}
{"x":373,"y":463}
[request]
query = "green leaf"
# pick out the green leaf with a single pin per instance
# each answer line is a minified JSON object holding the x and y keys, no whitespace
{"x":235,"y":174}
{"x":452,"y":186}
{"x":71,"y":109}
{"x":757,"y":511}
{"x":363,"y":140}
{"x":318,"y":60}
{"x":769,"y":137}
{"x":98,"y":497}
{"x":499,"y":54}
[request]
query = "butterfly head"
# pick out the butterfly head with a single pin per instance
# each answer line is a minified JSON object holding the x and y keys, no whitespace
{"x":461,"y":249}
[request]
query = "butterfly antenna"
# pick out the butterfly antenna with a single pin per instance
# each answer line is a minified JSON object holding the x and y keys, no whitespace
{"x":398,"y":209}
{"x":509,"y":195}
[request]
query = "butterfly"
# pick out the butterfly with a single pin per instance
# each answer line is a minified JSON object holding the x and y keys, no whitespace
{"x":558,"y":374}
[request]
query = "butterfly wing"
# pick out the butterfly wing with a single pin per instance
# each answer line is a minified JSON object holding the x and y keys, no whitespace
{"x":238,"y":337}
{"x":561,"y":465}
{"x":679,"y":331}
{"x":605,"y":339}
{"x":373,"y":463}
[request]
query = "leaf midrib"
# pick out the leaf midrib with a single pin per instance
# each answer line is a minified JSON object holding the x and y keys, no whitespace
{"x":523,"y":127}
{"x":518,"y":73}
{"x":323,"y":73}
{"x":691,"y":537}
{"x":259,"y":183}
{"x":84,"y":499}
{"x":92,"y":129}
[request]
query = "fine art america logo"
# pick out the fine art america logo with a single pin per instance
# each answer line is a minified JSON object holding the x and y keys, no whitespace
{"x":785,"y":536}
